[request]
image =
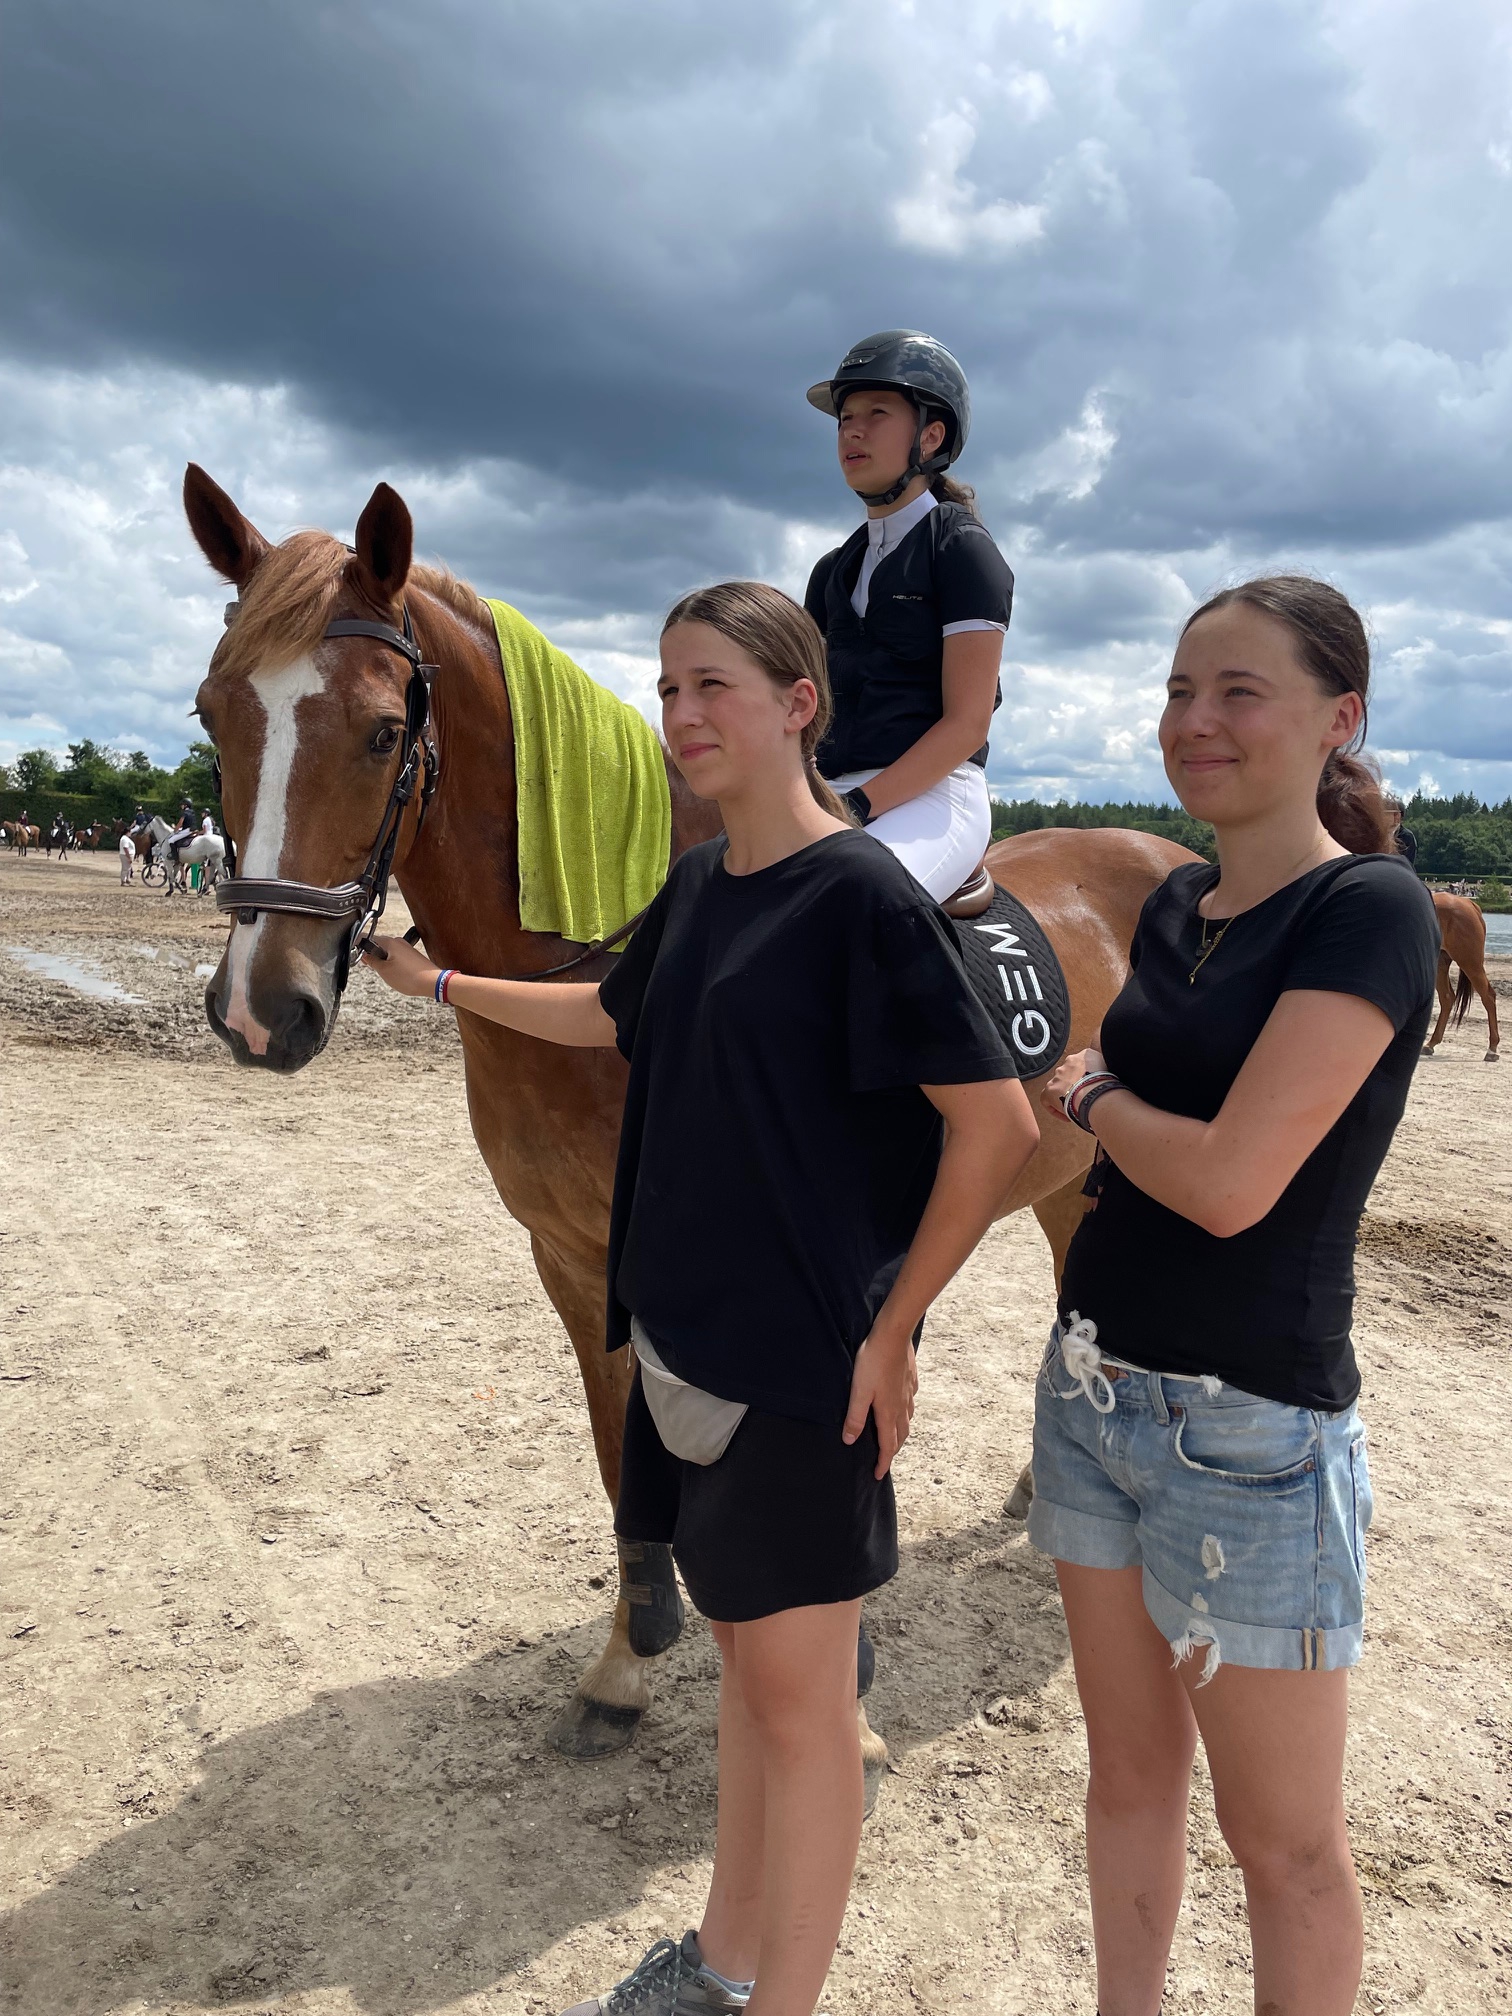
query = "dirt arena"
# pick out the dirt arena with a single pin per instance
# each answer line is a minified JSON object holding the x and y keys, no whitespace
{"x":302,"y":1546}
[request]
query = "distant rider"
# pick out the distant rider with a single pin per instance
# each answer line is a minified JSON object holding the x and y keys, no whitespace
{"x":913,"y":608}
{"x":183,"y":833}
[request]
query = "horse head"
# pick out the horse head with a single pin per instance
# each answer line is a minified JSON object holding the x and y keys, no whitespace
{"x":308,"y":731}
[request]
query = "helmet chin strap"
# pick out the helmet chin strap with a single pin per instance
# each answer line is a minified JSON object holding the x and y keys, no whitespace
{"x":918,"y":465}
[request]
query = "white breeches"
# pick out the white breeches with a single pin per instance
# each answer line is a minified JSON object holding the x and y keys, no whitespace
{"x":941,"y":835}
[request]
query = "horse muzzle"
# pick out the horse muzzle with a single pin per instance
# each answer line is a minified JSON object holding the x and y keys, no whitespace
{"x":273,"y":1003}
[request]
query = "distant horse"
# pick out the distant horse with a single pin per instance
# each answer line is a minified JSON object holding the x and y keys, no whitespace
{"x":308,"y":730}
{"x":60,"y":835}
{"x":204,"y":850}
{"x":22,"y":837}
{"x":1463,"y":929}
{"x":89,"y":836}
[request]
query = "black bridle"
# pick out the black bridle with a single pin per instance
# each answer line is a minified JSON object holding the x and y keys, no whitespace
{"x":363,"y":900}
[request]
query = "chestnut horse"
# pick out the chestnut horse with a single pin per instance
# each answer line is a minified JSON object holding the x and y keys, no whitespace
{"x":309,"y":731}
{"x":22,"y":837}
{"x":1463,"y":930}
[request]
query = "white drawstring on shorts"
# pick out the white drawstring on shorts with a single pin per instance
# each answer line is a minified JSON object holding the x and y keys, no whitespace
{"x":1084,"y":1361}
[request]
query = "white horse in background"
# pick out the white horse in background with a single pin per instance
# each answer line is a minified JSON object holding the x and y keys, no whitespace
{"x":205,"y":850}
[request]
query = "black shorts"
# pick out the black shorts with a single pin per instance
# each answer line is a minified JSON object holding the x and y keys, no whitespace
{"x":788,"y":1516}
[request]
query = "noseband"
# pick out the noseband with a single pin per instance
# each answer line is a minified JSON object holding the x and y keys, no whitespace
{"x":364,"y":899}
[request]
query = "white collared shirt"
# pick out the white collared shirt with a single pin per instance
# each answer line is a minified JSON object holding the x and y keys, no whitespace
{"x":883,"y":536}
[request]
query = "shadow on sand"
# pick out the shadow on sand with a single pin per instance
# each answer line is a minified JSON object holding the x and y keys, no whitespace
{"x":413,"y":1841}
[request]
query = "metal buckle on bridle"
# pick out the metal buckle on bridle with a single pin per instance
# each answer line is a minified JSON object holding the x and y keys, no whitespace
{"x":364,"y":899}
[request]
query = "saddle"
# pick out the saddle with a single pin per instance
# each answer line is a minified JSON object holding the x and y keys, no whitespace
{"x":1013,"y":967}
{"x":974,"y":897}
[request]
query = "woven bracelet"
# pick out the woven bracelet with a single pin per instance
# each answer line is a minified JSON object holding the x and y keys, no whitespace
{"x":443,"y":982}
{"x":1091,"y":1096}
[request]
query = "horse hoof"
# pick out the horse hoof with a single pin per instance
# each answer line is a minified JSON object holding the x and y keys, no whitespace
{"x":1425,"y":1055}
{"x":587,"y":1731}
{"x":1493,"y":1057}
{"x":1021,"y":1497}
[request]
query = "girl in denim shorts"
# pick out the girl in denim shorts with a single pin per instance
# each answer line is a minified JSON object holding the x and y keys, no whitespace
{"x":1199,"y":1465}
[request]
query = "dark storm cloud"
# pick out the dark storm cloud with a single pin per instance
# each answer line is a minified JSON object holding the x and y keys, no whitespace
{"x":616,"y":242}
{"x":1218,"y":268}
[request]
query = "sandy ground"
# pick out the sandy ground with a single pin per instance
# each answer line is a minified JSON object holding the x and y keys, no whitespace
{"x":301,"y":1547}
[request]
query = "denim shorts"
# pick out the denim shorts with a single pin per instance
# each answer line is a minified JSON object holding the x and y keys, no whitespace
{"x":1246,"y":1516}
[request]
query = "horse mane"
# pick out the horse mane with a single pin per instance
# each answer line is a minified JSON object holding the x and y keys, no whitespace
{"x":283,"y":613}
{"x":459,"y":596}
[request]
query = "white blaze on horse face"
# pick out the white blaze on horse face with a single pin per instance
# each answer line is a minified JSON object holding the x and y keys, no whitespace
{"x":280,"y":693}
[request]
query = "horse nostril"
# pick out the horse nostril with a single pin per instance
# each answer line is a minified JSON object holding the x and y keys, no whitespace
{"x":298,"y":1033}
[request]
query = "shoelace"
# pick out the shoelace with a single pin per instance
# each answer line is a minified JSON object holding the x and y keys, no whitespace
{"x":1083,"y":1360}
{"x":664,"y":1962}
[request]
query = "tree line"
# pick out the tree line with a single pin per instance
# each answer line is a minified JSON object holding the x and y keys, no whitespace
{"x":1458,"y":836}
{"x":99,"y":783}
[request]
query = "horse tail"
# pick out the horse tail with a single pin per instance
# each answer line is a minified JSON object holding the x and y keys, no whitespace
{"x":1464,"y":995}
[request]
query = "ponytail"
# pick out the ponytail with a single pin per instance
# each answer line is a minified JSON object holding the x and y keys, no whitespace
{"x":785,"y":642}
{"x":1352,"y":805}
{"x":1331,"y":644}
{"x":949,"y":491}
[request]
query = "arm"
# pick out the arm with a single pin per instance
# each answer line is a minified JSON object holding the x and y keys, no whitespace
{"x":1311,"y":1058}
{"x":560,"y":1014}
{"x":970,"y":683}
{"x":990,"y":1133}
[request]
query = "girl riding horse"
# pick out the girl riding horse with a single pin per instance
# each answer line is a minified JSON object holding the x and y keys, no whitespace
{"x":913,"y":609}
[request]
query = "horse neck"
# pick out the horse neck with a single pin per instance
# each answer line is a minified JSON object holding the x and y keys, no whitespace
{"x":459,"y":871}
{"x":460,"y":876}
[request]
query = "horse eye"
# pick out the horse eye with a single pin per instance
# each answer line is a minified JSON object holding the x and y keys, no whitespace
{"x":386,"y":741}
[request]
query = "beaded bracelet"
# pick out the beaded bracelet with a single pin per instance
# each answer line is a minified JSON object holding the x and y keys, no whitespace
{"x":1090,"y":1097}
{"x":443,"y":983}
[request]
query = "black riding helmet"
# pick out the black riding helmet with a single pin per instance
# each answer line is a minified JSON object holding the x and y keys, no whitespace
{"x":906,"y":361}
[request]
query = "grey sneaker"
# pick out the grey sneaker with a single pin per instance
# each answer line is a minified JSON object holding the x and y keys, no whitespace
{"x":671,"y":1981}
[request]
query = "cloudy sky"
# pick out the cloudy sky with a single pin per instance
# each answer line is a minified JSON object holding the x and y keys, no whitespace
{"x":1232,"y":280}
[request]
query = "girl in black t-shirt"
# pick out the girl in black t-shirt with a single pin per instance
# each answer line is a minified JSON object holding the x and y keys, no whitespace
{"x":913,"y":607}
{"x":801,"y":1033}
{"x":1199,"y":1466}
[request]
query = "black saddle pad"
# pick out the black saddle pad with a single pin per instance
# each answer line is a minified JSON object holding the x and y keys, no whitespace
{"x":1019,"y":979}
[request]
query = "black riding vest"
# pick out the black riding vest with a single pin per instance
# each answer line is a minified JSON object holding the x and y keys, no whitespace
{"x":885,"y":668}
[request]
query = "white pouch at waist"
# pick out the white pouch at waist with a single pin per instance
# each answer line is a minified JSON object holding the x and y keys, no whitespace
{"x":692,"y":1424}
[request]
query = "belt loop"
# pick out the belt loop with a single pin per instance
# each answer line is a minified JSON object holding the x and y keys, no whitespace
{"x":1157,"y":1397}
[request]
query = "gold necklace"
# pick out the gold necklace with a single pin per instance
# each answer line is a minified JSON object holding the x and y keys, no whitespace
{"x":1206,"y":950}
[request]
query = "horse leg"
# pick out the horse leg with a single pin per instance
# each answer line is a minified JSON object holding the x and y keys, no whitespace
{"x":615,"y":1692}
{"x":1446,"y":1002}
{"x":1059,"y":1214}
{"x":1482,"y":984}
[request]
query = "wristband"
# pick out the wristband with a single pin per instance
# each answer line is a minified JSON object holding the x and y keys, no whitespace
{"x":443,"y":982}
{"x":1069,"y":1097}
{"x":857,"y":802}
{"x":1091,"y":1096}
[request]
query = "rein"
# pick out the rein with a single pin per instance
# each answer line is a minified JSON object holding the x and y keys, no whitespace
{"x":364,"y":899}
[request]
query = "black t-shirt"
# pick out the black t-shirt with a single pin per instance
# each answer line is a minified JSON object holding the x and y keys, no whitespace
{"x":777,"y":1153}
{"x":886,"y":667}
{"x":1268,"y":1310}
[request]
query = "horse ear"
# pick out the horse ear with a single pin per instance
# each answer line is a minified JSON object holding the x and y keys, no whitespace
{"x":385,"y":545}
{"x":231,"y":543}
